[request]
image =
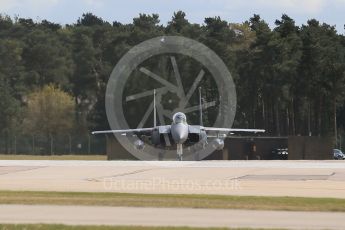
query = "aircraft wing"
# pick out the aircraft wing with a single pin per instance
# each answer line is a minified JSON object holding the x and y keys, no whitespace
{"x":142,"y":131}
{"x":233,"y":130}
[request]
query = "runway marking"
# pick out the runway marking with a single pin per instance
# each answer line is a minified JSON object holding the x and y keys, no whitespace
{"x":102,"y":178}
{"x":15,"y":169}
{"x":286,"y":177}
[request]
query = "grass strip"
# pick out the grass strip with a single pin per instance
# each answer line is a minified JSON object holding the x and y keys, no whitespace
{"x":171,"y":200}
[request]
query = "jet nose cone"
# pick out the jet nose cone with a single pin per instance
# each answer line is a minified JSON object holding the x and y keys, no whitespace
{"x":180,"y":136}
{"x":179,"y":133}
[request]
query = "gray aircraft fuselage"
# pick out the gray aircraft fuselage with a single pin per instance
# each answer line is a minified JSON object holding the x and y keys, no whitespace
{"x":179,"y":128}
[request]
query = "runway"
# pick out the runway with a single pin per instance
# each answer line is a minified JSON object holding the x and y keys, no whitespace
{"x":258,"y":178}
{"x":91,"y":215}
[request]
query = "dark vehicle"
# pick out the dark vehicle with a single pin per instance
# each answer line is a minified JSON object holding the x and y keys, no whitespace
{"x":280,"y":154}
{"x":338,"y":154}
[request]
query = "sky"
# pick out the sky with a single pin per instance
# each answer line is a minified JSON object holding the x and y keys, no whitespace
{"x":237,"y":11}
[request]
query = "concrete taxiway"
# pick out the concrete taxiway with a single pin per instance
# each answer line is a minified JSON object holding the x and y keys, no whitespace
{"x":91,"y":215}
{"x":259,"y":178}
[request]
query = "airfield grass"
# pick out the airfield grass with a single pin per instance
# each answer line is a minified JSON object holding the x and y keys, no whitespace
{"x":78,"y":227}
{"x":52,"y":157}
{"x":176,"y":201}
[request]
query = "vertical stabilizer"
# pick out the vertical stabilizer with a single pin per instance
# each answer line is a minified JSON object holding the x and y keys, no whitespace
{"x":154,"y":109}
{"x":200,"y":107}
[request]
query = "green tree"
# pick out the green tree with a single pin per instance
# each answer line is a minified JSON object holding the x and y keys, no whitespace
{"x":89,"y":19}
{"x":9,"y":114}
{"x":12,"y":87}
{"x":46,"y":59}
{"x":322,"y":75}
{"x":288,"y":51}
{"x":177,"y":23}
{"x":254,"y":66}
{"x":289,"y":79}
{"x":49,"y":111}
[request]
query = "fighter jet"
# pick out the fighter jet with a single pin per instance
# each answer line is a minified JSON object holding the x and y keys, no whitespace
{"x":179,"y":131}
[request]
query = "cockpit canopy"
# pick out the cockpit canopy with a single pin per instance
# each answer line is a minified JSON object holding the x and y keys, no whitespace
{"x":179,"y":118}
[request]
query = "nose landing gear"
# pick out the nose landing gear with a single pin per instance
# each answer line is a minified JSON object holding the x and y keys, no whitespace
{"x":179,"y":151}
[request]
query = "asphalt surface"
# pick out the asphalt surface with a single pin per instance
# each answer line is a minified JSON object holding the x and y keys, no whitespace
{"x":266,"y":178}
{"x":90,"y":215}
{"x":259,"y":178}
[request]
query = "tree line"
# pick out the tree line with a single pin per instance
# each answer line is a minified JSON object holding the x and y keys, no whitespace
{"x":290,"y":79}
